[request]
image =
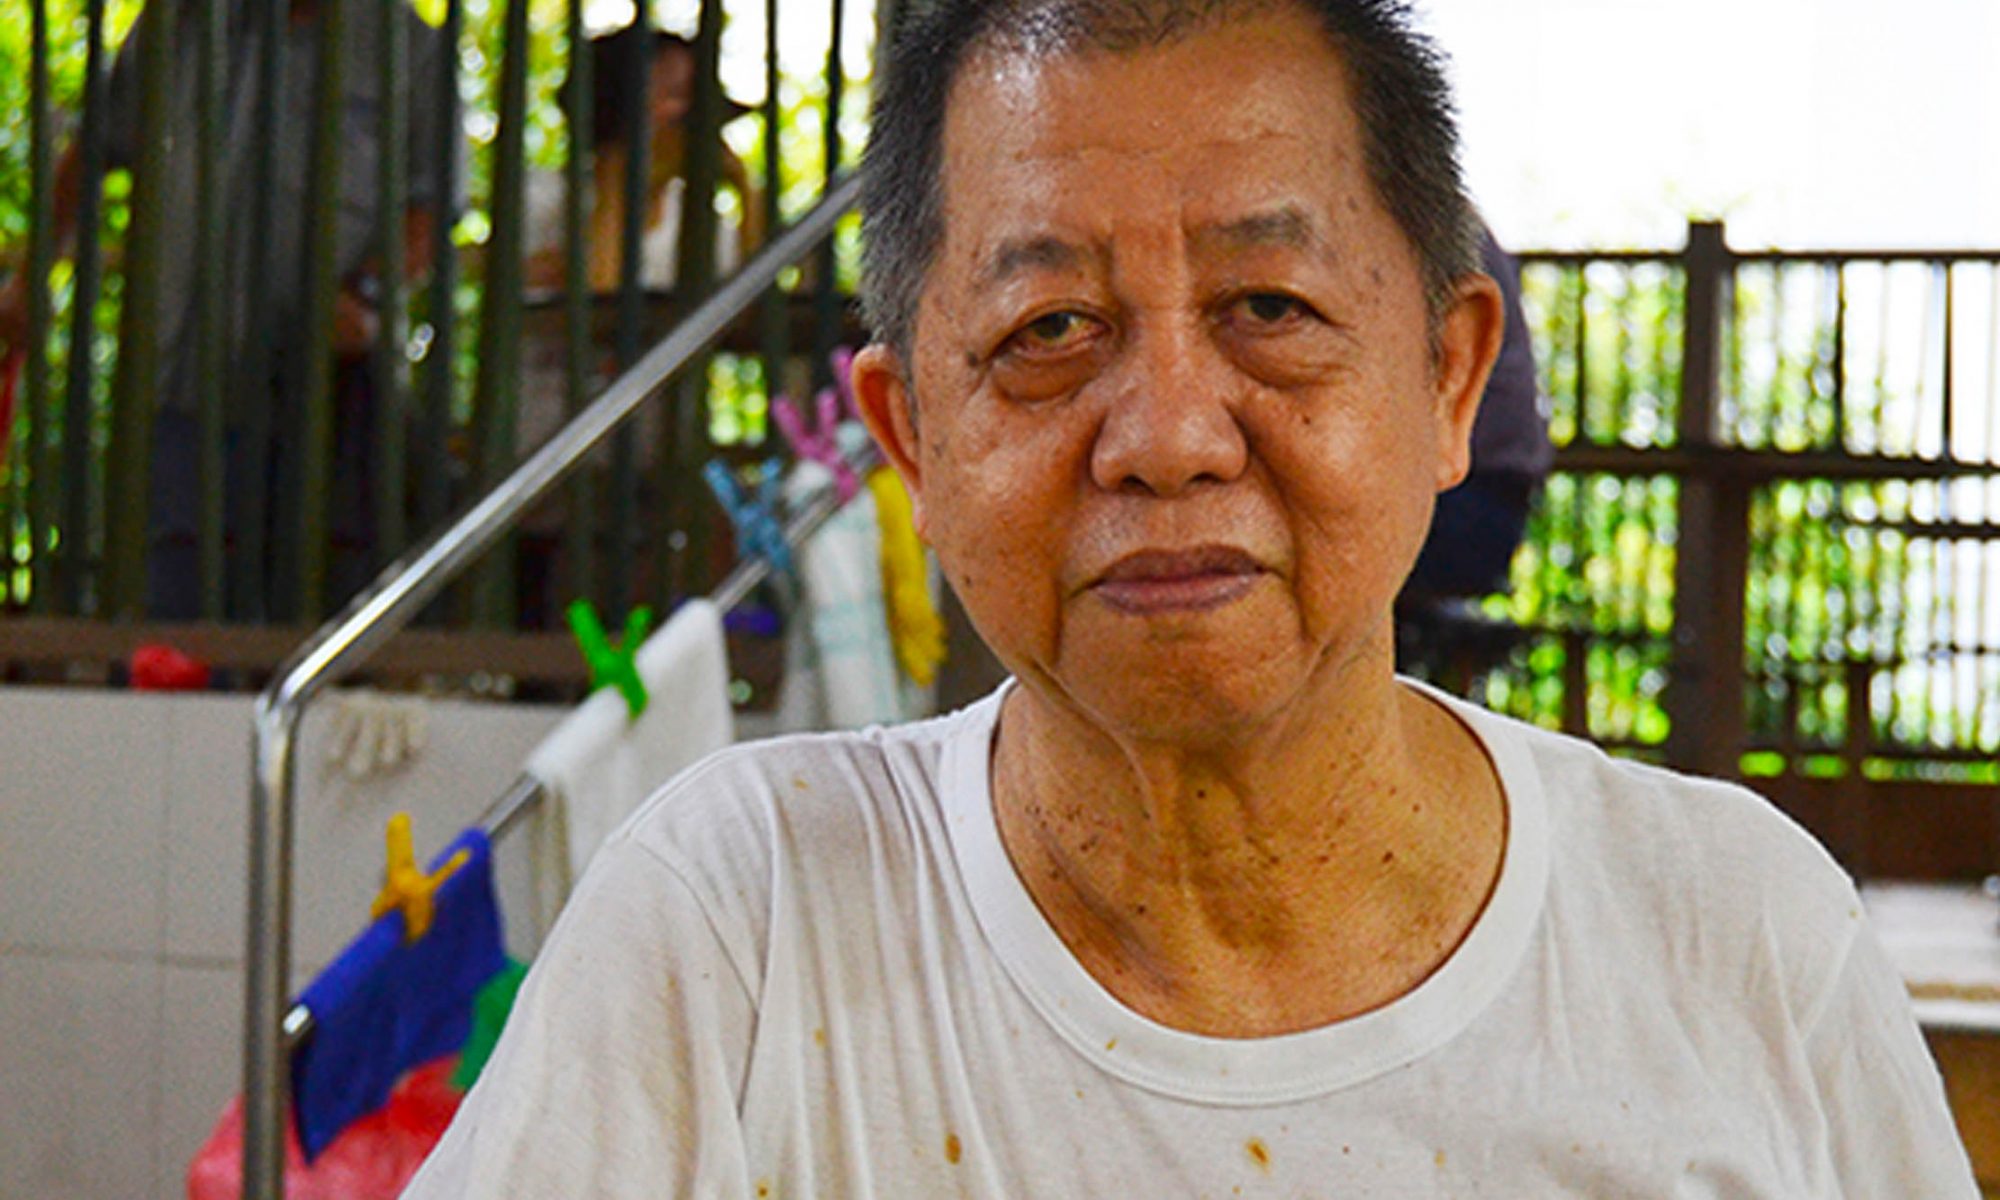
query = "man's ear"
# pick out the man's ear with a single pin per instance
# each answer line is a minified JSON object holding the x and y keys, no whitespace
{"x":887,"y":408}
{"x":1468,"y":343}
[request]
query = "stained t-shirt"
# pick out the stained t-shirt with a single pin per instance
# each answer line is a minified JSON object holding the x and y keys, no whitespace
{"x":808,"y":969}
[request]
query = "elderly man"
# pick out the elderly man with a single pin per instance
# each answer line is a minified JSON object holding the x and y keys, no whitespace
{"x":1181,"y":330}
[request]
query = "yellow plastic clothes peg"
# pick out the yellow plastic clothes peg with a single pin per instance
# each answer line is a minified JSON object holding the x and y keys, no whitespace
{"x":407,"y":888}
{"x":915,"y":628}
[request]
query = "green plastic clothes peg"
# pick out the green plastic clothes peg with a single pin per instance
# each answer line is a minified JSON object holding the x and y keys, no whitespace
{"x":613,"y":666}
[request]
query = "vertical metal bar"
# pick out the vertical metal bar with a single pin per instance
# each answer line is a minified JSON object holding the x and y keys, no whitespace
{"x":78,"y":472}
{"x":211,"y":314}
{"x":433,"y":498}
{"x":267,"y":948}
{"x":129,"y":458}
{"x":678,"y":466}
{"x":1774,"y":417}
{"x":1580,"y":386}
{"x":44,"y":476}
{"x":392,"y":200}
{"x":263,"y":363}
{"x":635,"y":74}
{"x":1621,"y":373}
{"x":579,"y":526}
{"x":497,"y":390}
{"x":826,"y":301}
{"x":1705,"y":702}
{"x":1947,"y":405}
{"x":308,"y":501}
{"x":775,"y":317}
{"x":1840,"y":357}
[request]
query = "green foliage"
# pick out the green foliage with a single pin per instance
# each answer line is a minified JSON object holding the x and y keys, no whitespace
{"x":1846,"y":589}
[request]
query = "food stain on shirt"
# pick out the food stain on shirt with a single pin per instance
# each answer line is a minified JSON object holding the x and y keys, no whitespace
{"x":763,"y":1189}
{"x":1259,"y":1153}
{"x":819,"y":1036}
{"x":952,"y":1150}
{"x":1440,"y":1158}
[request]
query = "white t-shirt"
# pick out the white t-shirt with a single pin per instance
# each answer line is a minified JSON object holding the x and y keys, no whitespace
{"x":807,"y":969}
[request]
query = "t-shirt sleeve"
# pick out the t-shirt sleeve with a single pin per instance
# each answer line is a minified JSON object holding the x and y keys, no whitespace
{"x":618,"y":1072}
{"x":1888,"y":1126}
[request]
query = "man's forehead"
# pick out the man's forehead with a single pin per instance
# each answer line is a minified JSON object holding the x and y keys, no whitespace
{"x":1043,"y":154}
{"x":1286,"y":225}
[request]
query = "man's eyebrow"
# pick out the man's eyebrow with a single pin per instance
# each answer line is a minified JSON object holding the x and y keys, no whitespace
{"x":1040,"y":252}
{"x":1288,"y":226}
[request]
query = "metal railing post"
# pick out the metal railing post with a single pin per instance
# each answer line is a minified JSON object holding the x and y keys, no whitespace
{"x":128,"y":465}
{"x":682,"y":548}
{"x":386,"y":606}
{"x":308,"y":485}
{"x":496,"y":393}
{"x":579,"y":354}
{"x":40,"y":454}
{"x":213,"y":318}
{"x":1705,"y":699}
{"x":73,"y":563}
{"x":391,"y":382}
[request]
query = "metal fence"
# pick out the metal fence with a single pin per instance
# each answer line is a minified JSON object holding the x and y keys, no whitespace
{"x":295,"y":466}
{"x":1771,"y":548}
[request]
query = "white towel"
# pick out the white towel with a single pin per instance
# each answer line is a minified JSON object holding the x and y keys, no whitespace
{"x":840,"y":666}
{"x":599,"y":764}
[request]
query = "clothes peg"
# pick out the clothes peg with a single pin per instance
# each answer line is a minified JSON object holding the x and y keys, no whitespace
{"x":405,"y":886}
{"x":613,"y":666}
{"x":759,"y":533}
{"x":914,"y":625}
{"x":820,"y":444}
{"x":842,"y":362}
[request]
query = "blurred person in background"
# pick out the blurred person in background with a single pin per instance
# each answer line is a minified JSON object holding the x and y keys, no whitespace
{"x":173,"y":585}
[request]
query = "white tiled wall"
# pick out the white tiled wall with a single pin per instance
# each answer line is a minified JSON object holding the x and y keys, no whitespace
{"x":122,"y":832}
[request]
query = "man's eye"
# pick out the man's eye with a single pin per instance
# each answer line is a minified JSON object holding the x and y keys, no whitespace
{"x":1270,"y":308}
{"x":1054,"y":331}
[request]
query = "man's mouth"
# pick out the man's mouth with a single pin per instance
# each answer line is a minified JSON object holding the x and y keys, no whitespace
{"x":1151,"y":582}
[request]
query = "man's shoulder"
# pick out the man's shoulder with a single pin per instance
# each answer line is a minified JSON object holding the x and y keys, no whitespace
{"x":1705,"y":874}
{"x":1682,"y":823}
{"x":809,"y":796}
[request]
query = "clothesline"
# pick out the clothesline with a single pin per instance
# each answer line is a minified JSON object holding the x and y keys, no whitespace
{"x":527,"y":791}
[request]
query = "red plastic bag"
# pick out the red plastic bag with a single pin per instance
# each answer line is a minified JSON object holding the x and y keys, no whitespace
{"x":372,"y":1160}
{"x":158,"y":667}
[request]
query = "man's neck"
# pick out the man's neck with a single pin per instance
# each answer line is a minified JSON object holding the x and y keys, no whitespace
{"x":1315,"y":873}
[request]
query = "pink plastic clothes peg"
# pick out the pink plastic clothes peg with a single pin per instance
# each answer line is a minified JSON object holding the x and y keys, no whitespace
{"x":818,"y":444}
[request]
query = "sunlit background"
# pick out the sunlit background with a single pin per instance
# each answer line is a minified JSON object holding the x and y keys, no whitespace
{"x":1802,"y":123}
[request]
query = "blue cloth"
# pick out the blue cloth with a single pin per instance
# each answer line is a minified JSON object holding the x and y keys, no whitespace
{"x":383,"y":1007}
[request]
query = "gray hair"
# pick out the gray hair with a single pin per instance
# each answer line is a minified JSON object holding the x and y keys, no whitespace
{"x":1408,"y":127}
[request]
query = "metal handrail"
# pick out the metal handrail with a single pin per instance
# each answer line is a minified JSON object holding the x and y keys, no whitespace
{"x":527,"y":790}
{"x":386,"y":606}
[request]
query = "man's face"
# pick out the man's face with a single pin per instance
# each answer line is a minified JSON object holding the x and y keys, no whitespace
{"x":1179,"y":425}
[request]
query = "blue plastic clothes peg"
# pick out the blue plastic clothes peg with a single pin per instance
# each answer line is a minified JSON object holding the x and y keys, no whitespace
{"x":759,"y":533}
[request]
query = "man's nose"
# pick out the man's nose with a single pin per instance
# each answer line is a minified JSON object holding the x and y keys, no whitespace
{"x":1171,"y":421}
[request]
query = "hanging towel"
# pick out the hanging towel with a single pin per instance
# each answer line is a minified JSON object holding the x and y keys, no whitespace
{"x":601,"y":763}
{"x":386,"y":1005}
{"x":840,"y":666}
